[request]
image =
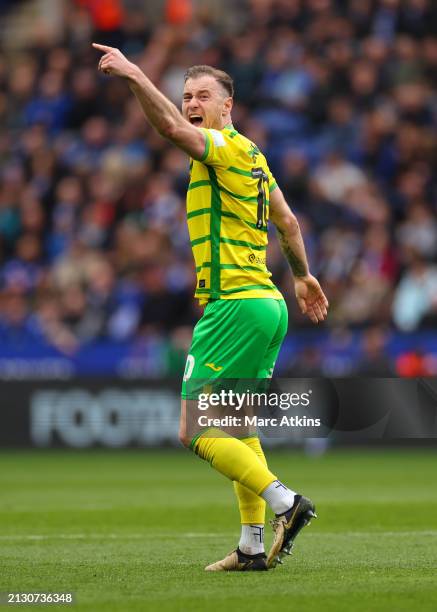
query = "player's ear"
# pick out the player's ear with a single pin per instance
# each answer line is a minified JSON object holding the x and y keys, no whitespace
{"x":227,"y":105}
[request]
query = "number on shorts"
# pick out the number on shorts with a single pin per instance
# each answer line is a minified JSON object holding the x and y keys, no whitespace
{"x":189,"y":367}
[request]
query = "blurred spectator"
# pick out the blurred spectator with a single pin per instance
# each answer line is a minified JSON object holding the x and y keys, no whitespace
{"x":419,"y":230}
{"x":51,"y":104}
{"x":415,"y":299}
{"x":308,"y":363}
{"x":14,"y":319}
{"x":335,"y":178}
{"x":375,"y":361}
{"x":412,"y":364}
{"x":24,"y":271}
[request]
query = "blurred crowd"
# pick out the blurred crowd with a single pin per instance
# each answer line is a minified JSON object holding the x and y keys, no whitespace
{"x":339,"y":95}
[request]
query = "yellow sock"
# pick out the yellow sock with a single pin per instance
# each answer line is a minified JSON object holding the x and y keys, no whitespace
{"x":252,"y":507}
{"x":233,"y":459}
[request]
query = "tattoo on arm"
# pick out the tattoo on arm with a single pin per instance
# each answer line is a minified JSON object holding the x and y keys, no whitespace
{"x":294,"y":252}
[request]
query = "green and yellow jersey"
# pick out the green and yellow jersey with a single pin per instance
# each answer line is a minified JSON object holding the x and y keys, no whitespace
{"x":227,"y":214}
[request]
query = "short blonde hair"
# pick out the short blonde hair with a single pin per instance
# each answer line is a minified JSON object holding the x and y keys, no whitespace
{"x":220,"y":76}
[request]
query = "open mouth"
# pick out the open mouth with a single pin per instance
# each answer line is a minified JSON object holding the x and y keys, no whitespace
{"x":196,"y":120}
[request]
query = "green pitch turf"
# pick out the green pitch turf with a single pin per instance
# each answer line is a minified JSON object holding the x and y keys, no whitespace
{"x":134,"y":530}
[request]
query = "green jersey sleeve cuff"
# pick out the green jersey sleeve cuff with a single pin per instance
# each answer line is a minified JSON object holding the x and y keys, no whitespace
{"x":273,"y":186}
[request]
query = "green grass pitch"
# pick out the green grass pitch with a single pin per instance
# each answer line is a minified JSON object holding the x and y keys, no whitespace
{"x":133,"y":530}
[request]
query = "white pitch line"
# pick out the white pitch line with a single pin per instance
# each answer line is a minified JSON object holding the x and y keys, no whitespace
{"x":179,"y":536}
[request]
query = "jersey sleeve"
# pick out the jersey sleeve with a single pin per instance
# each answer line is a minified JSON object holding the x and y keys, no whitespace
{"x":271,"y":179}
{"x":219,"y":148}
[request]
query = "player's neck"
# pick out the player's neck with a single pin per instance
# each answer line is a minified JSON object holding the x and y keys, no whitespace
{"x":226,"y":122}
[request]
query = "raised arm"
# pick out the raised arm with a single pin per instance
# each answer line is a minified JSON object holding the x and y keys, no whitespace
{"x":310,"y":297}
{"x":159,"y":110}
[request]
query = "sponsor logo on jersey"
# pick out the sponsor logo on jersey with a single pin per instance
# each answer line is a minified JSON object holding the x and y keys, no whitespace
{"x":214,"y":367}
{"x":257,"y":259}
{"x":253,"y":152}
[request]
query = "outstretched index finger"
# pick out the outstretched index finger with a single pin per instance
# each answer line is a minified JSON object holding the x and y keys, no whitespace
{"x":102,"y":48}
